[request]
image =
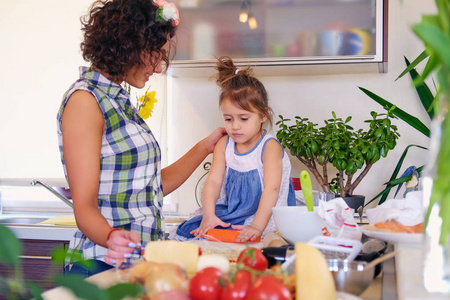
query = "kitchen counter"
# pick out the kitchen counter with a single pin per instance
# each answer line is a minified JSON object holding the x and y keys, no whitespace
{"x":55,"y":232}
{"x":111,"y":277}
{"x":408,"y":263}
{"x":39,"y":231}
{"x":401,"y":278}
{"x":405,"y":284}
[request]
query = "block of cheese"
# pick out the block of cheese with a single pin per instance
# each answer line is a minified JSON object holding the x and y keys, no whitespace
{"x":183,"y":253}
{"x":314,"y":279}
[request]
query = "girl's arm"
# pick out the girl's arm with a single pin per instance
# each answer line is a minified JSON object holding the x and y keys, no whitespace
{"x":176,"y":174}
{"x":82,"y":130}
{"x":211,"y":190}
{"x":273,"y":171}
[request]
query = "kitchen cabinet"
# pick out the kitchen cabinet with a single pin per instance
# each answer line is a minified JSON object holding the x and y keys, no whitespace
{"x":37,"y":264}
{"x":291,"y":36}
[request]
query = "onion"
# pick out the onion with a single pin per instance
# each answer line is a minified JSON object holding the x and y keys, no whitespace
{"x":213,"y":260}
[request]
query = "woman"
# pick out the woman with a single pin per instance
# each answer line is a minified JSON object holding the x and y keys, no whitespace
{"x":110,"y":157}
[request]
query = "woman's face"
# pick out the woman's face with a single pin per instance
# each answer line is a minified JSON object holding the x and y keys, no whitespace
{"x":140,"y":74}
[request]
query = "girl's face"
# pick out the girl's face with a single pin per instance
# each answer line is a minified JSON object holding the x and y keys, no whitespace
{"x":140,"y":74}
{"x":243,"y":126}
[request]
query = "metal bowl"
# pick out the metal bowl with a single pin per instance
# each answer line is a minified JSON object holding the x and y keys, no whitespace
{"x":372,"y":249}
{"x":351,"y":277}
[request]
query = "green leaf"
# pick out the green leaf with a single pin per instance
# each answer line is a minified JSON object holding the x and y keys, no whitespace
{"x":435,"y":39}
{"x":411,"y":120}
{"x":383,"y":192}
{"x":400,"y":180}
{"x":35,"y":290}
{"x":122,"y":290}
{"x":59,"y":257}
{"x":432,"y":64}
{"x":443,"y":8}
{"x":393,"y":181}
{"x":418,"y":60}
{"x":402,"y":158}
{"x":81,"y":288}
{"x":425,"y":95}
{"x":10,"y":248}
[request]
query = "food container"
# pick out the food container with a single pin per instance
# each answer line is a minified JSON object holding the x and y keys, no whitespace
{"x":351,"y":277}
{"x":296,"y":223}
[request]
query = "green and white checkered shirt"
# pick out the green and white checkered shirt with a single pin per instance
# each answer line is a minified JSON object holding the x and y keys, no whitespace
{"x":130,"y":194}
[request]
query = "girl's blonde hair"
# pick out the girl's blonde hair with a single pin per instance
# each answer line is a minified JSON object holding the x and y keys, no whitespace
{"x":242,"y":88}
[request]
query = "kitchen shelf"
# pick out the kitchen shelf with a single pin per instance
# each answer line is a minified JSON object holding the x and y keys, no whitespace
{"x":294,"y":37}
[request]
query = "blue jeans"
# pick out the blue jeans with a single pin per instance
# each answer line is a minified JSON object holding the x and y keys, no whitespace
{"x":97,"y":267}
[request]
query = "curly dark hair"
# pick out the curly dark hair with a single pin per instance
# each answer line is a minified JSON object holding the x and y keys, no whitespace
{"x":243,"y":89}
{"x":117,"y":32}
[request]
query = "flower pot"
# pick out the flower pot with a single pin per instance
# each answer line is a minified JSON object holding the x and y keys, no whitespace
{"x":354,"y":201}
{"x":296,"y":183}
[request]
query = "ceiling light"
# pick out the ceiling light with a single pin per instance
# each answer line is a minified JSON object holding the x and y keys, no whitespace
{"x":243,"y":17}
{"x":252,"y":22}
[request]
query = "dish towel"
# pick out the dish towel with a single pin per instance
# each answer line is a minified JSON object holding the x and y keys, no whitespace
{"x":339,"y":219}
{"x":408,"y":211}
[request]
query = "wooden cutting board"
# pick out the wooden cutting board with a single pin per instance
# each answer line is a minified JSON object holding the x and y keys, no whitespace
{"x":61,"y":220}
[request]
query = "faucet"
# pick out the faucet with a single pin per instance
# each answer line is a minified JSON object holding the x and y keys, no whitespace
{"x":53,"y":191}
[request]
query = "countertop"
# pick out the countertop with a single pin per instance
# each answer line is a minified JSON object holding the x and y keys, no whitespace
{"x":111,"y":277}
{"x":38,"y":231}
{"x":408,"y":264}
{"x":401,"y":278}
{"x":405,"y":285}
{"x":56,"y":232}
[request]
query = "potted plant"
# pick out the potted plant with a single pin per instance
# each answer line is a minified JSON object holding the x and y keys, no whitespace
{"x":427,"y":99}
{"x":337,"y":143}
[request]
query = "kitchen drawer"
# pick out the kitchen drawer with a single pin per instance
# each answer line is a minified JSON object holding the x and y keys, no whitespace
{"x":37,"y":263}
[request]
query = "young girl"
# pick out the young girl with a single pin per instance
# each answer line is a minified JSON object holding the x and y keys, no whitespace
{"x":250,"y":172}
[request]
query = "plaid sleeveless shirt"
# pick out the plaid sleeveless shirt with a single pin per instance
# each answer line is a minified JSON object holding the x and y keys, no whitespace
{"x":130,"y":193}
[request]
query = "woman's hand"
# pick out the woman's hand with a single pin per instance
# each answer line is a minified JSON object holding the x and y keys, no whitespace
{"x":213,"y":138}
{"x":121,"y":244}
{"x":247,"y":233}
{"x":208,"y":223}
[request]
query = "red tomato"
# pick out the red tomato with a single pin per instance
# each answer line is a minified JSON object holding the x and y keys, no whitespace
{"x":253,"y":259}
{"x":268,"y":287}
{"x":205,"y":285}
{"x":239,"y":287}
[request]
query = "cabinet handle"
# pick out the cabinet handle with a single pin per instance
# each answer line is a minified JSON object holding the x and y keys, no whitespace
{"x":35,"y":257}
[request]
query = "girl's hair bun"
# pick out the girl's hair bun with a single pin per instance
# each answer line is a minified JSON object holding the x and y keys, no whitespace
{"x":227,"y":71}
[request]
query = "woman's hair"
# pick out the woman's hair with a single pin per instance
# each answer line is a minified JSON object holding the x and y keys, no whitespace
{"x":117,"y":32}
{"x":242,"y":88}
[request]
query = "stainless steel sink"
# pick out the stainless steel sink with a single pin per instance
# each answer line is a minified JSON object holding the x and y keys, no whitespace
{"x":21,"y":220}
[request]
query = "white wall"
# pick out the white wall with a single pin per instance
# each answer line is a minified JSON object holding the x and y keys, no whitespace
{"x":195,"y":111}
{"x":39,"y":56}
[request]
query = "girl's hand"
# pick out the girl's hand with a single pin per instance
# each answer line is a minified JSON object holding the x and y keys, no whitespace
{"x":247,"y":233}
{"x":121,"y":243}
{"x":208,"y":223}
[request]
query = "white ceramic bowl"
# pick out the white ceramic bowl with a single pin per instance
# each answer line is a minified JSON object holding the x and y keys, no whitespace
{"x":296,"y":223}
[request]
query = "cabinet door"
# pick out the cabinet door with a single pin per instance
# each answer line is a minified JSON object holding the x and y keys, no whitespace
{"x":37,"y":262}
{"x":285,"y":32}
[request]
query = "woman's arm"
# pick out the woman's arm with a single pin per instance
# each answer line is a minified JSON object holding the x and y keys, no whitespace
{"x":82,"y":130}
{"x":211,"y":190}
{"x":273,"y":171}
{"x":176,"y":174}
